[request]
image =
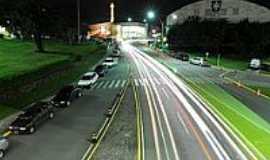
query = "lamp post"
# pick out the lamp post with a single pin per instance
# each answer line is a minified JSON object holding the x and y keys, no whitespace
{"x":79,"y":20}
{"x":151,"y":15}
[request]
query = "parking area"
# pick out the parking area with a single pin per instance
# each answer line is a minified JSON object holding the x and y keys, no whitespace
{"x":67,"y":136}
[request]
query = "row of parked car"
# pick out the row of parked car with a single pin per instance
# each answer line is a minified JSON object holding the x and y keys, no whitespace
{"x":196,"y":60}
{"x":34,"y":115}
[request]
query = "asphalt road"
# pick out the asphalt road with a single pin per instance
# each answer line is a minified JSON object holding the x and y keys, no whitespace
{"x":257,"y":104}
{"x":176,"y":124}
{"x":66,"y":136}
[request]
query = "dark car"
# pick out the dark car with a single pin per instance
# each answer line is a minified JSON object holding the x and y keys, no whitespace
{"x":27,"y":122}
{"x":182,"y":57}
{"x":101,"y":70}
{"x":66,"y":95}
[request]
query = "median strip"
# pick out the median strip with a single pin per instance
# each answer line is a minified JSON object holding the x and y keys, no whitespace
{"x":98,"y":137}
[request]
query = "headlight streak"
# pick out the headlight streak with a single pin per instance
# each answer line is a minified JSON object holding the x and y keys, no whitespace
{"x":164,"y":114}
{"x":219,"y":150}
{"x":156,"y":109}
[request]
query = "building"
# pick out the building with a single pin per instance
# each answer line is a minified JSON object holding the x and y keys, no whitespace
{"x":124,"y":30}
{"x":232,"y":10}
{"x":131,"y":30}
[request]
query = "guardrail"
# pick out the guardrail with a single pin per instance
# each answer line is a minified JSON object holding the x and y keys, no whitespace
{"x":110,"y":114}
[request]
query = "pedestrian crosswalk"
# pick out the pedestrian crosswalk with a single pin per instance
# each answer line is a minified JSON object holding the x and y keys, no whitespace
{"x":120,"y":83}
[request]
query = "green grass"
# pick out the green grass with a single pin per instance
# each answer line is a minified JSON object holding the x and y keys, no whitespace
{"x":250,"y":125}
{"x":18,"y":58}
{"x":20,"y":62}
{"x":5,"y":111}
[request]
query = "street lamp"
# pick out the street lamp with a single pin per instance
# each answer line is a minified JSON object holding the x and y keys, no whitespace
{"x":79,"y":20}
{"x":174,"y":16}
{"x":151,"y":15}
{"x":129,"y":19}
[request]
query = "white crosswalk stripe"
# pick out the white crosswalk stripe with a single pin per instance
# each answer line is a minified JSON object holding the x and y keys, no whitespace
{"x":123,"y":83}
{"x":120,"y":83}
{"x":112,"y":83}
{"x":117,"y":83}
{"x":106,"y":85}
{"x":100,"y":84}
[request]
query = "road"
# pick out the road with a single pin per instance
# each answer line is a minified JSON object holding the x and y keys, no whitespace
{"x":66,"y":136}
{"x":176,"y":124}
{"x":204,"y":75}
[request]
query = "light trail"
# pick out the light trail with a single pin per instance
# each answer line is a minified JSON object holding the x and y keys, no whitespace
{"x":174,"y":83}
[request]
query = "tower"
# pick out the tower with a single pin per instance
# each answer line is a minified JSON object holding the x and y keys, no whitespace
{"x":112,"y":12}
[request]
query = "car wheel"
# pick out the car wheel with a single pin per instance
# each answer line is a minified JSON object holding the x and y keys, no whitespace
{"x":51,"y":115}
{"x":68,"y":103}
{"x":32,"y":130}
{"x":2,"y":153}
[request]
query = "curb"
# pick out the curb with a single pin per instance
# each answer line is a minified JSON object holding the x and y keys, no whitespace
{"x":241,"y":85}
{"x":98,"y":137}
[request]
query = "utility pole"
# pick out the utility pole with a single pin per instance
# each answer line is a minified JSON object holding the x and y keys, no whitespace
{"x":79,"y":20}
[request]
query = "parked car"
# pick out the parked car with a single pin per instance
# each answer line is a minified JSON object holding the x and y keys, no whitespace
{"x":182,"y":57}
{"x":199,"y":61}
{"x":101,"y":70}
{"x":88,"y":79}
{"x":255,"y":64}
{"x":32,"y":117}
{"x":4,"y":144}
{"x":110,"y":62}
{"x":66,"y":95}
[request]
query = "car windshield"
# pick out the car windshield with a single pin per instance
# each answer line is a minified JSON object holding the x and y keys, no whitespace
{"x":108,"y":60}
{"x":65,"y":91}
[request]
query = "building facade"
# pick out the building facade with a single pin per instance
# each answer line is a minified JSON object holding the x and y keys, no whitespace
{"x":232,"y":10}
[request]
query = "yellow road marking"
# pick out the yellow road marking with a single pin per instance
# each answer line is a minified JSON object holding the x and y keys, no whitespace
{"x":7,"y":134}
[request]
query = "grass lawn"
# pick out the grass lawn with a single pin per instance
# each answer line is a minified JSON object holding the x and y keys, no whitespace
{"x":252,"y":127}
{"x":19,"y":59}
{"x":4,"y":111}
{"x":225,"y":62}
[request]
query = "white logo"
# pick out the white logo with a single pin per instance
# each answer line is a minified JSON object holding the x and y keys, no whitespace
{"x":216,"y":5}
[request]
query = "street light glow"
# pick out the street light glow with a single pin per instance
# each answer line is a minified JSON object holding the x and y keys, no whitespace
{"x":151,"y":15}
{"x":129,"y":19}
{"x":174,"y":16}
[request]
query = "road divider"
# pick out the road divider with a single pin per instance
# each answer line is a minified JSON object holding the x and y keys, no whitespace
{"x":97,"y":137}
{"x":139,"y":124}
{"x":241,"y":85}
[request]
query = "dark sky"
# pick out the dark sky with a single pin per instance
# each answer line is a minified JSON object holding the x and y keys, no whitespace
{"x":98,"y":10}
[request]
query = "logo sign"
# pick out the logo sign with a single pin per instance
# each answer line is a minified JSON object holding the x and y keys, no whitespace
{"x":216,"y":5}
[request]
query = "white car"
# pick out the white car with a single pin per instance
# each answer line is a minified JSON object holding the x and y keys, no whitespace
{"x":255,"y":63}
{"x":110,"y":62}
{"x":88,"y":79}
{"x":3,"y":146}
{"x":198,"y":61}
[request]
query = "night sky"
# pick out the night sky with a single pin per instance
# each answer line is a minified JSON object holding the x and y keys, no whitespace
{"x":98,"y":10}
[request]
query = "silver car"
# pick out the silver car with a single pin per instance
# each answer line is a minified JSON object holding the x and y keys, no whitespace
{"x":3,"y":146}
